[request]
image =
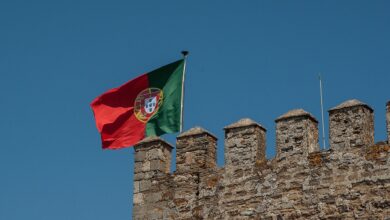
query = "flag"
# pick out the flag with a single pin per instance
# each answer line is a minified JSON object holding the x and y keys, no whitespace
{"x":149,"y":105}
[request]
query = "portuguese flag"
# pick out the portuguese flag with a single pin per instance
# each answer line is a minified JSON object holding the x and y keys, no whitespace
{"x":149,"y":105}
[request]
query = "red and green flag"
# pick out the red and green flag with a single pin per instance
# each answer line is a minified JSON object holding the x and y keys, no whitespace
{"x":149,"y":105}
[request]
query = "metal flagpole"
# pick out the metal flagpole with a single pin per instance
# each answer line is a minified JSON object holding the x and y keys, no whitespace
{"x":322,"y":112}
{"x":185,"y":54}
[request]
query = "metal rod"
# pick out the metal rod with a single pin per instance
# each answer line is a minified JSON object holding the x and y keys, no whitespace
{"x":185,"y":54}
{"x":322,"y":113}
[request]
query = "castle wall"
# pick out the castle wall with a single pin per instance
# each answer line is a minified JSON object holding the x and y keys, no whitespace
{"x":195,"y":162}
{"x":351,"y":180}
{"x":244,"y":148}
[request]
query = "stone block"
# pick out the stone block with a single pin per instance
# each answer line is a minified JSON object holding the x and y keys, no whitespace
{"x":138,"y":167}
{"x":136,"y":187}
{"x":145,"y":185}
{"x":139,"y":156}
{"x":138,"y":198}
{"x":155,"y":154}
{"x":145,"y":166}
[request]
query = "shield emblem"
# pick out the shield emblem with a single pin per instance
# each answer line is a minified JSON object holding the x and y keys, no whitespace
{"x":150,"y":104}
{"x":147,"y":103}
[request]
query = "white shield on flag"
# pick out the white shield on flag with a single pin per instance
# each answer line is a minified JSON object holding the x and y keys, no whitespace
{"x":150,"y":104}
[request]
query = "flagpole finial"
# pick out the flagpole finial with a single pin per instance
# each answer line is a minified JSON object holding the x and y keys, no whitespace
{"x":185,"y":53}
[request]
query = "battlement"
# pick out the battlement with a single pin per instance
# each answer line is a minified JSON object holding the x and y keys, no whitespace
{"x":349,"y":180}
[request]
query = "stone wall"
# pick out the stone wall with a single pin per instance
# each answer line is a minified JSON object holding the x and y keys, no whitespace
{"x":351,"y":180}
{"x":153,"y":190}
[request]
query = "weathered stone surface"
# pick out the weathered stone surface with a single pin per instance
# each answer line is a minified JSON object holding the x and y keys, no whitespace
{"x":153,"y":139}
{"x":301,"y":182}
{"x":152,"y":181}
{"x":296,"y":134}
{"x":351,"y":125}
{"x":244,"y":148}
{"x":296,"y":113}
{"x":195,"y":131}
{"x":244,"y":123}
{"x":350,"y":103}
{"x":195,"y":150}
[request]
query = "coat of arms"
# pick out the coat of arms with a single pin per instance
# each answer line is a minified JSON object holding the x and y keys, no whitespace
{"x":150,"y":104}
{"x":147,"y":103}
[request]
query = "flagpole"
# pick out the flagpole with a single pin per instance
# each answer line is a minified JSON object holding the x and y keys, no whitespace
{"x":185,"y":54}
{"x":322,"y":113}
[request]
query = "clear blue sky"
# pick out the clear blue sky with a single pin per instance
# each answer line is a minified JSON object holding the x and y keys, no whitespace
{"x":254,"y":59}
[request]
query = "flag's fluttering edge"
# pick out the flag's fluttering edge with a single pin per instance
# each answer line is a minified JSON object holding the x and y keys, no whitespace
{"x":149,"y":105}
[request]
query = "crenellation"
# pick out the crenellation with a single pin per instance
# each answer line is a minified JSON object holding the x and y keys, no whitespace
{"x":195,"y":150}
{"x":195,"y":158}
{"x":244,"y":146}
{"x":296,"y":134}
{"x":151,"y":179}
{"x":351,"y":125}
{"x":351,"y":180}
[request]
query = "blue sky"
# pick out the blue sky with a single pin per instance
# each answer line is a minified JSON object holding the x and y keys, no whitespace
{"x":254,"y":59}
